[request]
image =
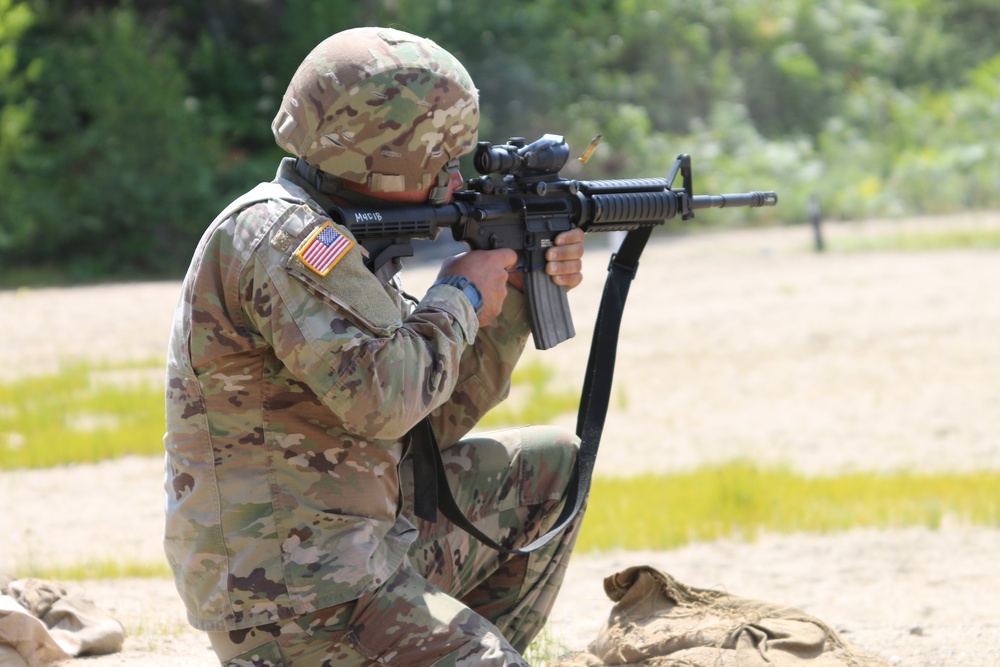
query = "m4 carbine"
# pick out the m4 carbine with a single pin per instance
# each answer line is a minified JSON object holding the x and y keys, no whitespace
{"x":521,"y":202}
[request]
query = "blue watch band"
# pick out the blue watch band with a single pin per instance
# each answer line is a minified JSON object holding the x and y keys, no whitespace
{"x":467,"y":287}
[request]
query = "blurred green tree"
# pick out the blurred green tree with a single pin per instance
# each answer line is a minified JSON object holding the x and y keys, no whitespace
{"x":118,"y":178}
{"x":16,"y":110}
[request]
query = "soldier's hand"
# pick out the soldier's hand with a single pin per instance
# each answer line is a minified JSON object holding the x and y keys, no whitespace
{"x":488,"y":269}
{"x":564,"y":261}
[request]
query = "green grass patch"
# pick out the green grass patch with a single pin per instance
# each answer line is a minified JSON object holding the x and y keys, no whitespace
{"x":98,"y":569}
{"x":954,"y":238}
{"x":740,"y":500}
{"x":532,"y":400}
{"x":83,"y":414}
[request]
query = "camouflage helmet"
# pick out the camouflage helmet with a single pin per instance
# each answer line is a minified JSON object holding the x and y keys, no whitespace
{"x":380,"y":107}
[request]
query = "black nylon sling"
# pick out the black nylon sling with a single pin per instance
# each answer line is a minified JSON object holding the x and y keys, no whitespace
{"x":431,"y":490}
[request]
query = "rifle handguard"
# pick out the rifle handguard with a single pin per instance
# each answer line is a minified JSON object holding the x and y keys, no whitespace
{"x":550,"y":317}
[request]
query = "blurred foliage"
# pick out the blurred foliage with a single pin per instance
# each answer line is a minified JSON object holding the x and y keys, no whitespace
{"x":117,"y":172}
{"x":125,"y":126}
{"x":15,"y":79}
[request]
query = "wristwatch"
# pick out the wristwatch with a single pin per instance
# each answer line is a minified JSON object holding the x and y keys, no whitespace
{"x":467,"y":287}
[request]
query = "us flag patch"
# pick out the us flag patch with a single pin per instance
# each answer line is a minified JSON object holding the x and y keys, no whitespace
{"x":324,"y":249}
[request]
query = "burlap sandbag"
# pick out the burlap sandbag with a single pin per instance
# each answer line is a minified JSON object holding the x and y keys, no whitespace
{"x":40,"y":623}
{"x":659,"y":622}
{"x":24,"y":639}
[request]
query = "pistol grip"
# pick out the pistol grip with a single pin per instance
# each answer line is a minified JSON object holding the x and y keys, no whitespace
{"x":548,"y":309}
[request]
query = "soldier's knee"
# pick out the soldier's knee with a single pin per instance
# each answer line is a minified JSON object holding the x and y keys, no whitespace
{"x":548,"y":457}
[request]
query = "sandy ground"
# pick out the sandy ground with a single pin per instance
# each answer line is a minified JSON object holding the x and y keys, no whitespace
{"x":735,"y":345}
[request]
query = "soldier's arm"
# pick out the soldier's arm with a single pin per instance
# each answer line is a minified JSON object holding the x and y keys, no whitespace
{"x":343,"y":336}
{"x":484,"y":372}
{"x":487,"y":366}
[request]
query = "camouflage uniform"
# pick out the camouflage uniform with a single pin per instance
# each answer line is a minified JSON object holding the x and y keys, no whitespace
{"x":289,"y":394}
{"x":294,"y":375}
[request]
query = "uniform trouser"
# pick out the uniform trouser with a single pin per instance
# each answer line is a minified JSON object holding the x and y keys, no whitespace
{"x":454,"y":601}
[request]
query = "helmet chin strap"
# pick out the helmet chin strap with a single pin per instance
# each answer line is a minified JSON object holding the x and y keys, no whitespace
{"x":331,"y":185}
{"x":320,"y":180}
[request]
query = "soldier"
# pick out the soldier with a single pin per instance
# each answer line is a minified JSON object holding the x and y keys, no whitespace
{"x":295,"y":374}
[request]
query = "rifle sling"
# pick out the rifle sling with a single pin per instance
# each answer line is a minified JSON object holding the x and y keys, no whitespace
{"x":431,"y":491}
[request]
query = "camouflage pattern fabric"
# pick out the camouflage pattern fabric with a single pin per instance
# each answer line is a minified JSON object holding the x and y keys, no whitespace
{"x":380,"y":107}
{"x":288,"y":396}
{"x":454,"y":601}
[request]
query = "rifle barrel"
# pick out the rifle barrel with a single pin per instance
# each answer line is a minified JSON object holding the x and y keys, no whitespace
{"x":746,"y":199}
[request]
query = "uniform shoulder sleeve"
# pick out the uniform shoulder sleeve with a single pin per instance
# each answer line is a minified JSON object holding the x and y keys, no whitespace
{"x":333,"y":325}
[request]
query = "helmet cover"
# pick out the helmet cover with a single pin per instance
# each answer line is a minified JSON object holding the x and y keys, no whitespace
{"x":380,"y":107}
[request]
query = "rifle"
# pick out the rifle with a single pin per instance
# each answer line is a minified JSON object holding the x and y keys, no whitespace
{"x":521,"y":202}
